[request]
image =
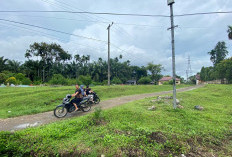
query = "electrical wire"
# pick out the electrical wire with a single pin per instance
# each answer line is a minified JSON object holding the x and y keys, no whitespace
{"x":115,"y":14}
{"x":80,"y":36}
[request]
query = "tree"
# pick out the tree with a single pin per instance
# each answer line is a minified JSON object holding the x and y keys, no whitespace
{"x":138,"y":72}
{"x":224,"y":69}
{"x":14,"y":66}
{"x":3,"y":64}
{"x":11,"y":80}
{"x":155,"y":70}
{"x":218,"y":53}
{"x":3,"y":78}
{"x":85,"y":79}
{"x":58,"y":79}
{"x":145,"y":80}
{"x":229,"y":32}
{"x":48,"y":55}
{"x":208,"y":73}
{"x":116,"y":81}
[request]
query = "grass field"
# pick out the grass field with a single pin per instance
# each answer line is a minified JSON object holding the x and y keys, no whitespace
{"x":133,"y":130}
{"x":24,"y":101}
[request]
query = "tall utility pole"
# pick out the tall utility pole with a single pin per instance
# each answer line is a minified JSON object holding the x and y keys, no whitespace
{"x":170,"y":3}
{"x":108,"y":28}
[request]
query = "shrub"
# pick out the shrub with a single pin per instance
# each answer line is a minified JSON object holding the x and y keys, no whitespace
{"x":3,"y":78}
{"x":166,"y":83}
{"x":26,"y":81}
{"x":37,"y":82}
{"x":116,"y":80}
{"x":97,"y":116}
{"x":58,"y":79}
{"x":11,"y":80}
{"x":73,"y":82}
{"x":20,"y":76}
{"x":96,"y":83}
{"x":86,"y":80}
{"x":105,"y":82}
{"x":145,"y":80}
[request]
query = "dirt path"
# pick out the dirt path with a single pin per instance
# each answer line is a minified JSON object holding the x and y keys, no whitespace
{"x":17,"y":123}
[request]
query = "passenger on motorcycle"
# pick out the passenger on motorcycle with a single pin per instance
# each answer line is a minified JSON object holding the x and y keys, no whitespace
{"x":88,"y":90}
{"x":83,"y":91}
{"x":77,"y":97}
{"x":89,"y":93}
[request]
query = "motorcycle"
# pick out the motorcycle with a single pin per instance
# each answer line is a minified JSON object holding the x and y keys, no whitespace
{"x":66,"y":107}
{"x":95,"y":98}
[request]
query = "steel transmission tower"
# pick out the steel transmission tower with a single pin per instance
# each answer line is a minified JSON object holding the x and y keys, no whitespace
{"x":189,"y":69}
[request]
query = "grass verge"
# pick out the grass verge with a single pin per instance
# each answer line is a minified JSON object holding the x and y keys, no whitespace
{"x":16,"y":101}
{"x":133,"y":130}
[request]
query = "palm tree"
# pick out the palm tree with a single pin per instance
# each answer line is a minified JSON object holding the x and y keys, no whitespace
{"x":3,"y":63}
{"x":229,"y":32}
{"x":14,"y":66}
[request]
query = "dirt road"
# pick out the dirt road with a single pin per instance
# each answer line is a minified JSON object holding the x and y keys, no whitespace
{"x":22,"y":122}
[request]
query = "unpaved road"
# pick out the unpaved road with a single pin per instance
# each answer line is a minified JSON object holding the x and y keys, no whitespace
{"x":22,"y":122}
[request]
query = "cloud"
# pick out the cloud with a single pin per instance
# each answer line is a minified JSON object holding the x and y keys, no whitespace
{"x":195,"y":36}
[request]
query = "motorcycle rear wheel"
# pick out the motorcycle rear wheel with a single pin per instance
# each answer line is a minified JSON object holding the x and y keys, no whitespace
{"x":60,"y":112}
{"x":85,"y":107}
{"x":97,"y":100}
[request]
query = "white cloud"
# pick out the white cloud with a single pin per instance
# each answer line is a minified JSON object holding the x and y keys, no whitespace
{"x":195,"y":36}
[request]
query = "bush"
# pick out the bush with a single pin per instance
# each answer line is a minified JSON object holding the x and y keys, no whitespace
{"x":105,"y":82}
{"x":144,"y":80}
{"x":58,"y":79}
{"x":26,"y":81}
{"x":116,"y":80}
{"x":86,"y":80}
{"x":20,"y":76}
{"x":3,"y":78}
{"x":37,"y":82}
{"x":96,"y":83}
{"x":11,"y":80}
{"x":71,"y":82}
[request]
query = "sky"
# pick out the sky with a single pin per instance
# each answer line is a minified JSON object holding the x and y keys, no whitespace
{"x":139,"y":39}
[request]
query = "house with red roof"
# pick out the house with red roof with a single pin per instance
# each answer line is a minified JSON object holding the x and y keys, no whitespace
{"x":167,"y":79}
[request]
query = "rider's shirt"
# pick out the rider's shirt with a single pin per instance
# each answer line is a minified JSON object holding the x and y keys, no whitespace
{"x":78,"y":95}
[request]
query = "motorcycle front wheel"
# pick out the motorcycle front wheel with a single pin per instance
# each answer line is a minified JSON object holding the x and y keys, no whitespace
{"x":60,"y":112}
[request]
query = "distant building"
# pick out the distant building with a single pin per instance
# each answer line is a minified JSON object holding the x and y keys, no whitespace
{"x":131,"y":82}
{"x":198,"y":79}
{"x":167,"y":79}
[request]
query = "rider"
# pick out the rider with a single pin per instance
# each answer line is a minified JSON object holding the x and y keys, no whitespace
{"x":89,"y":93}
{"x":83,"y":91}
{"x":77,"y":97}
{"x":88,"y":90}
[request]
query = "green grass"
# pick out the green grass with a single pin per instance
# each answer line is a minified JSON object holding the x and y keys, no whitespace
{"x":133,"y":130}
{"x":24,"y":101}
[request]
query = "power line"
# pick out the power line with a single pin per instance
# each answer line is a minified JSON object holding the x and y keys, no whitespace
{"x":80,"y":36}
{"x":61,"y":32}
{"x":115,"y":14}
{"x":72,"y":7}
{"x":204,"y":13}
{"x":116,"y":23}
{"x":48,"y":35}
{"x":81,"y":12}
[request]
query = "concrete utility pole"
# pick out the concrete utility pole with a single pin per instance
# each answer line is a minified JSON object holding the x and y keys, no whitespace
{"x":170,"y":3}
{"x":108,"y":28}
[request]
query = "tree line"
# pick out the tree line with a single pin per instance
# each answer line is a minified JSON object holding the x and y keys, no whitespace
{"x":50,"y":63}
{"x":222,"y":66}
